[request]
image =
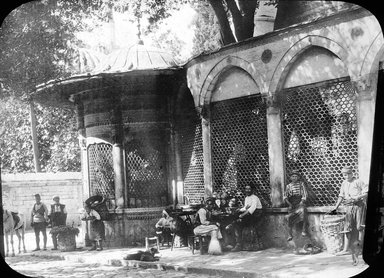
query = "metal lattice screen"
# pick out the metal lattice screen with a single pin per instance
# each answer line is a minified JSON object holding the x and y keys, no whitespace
{"x":191,"y":147}
{"x":146,"y":168}
{"x":320,"y":136}
{"x":101,"y":175}
{"x":240,"y":146}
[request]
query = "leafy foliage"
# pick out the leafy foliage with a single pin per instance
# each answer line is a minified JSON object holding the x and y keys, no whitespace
{"x":15,"y":144}
{"x":58,"y":144}
{"x":65,"y":230}
{"x":207,"y":35}
{"x":37,"y":42}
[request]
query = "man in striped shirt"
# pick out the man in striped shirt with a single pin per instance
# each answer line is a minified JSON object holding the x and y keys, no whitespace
{"x":295,"y":196}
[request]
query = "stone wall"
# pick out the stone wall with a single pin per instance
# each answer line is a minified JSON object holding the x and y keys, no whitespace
{"x":274,"y":231}
{"x":19,"y":191}
{"x":129,"y":227}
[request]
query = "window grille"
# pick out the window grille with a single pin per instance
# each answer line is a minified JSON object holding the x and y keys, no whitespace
{"x":146,"y":168}
{"x":320,"y":136}
{"x":101,"y":174}
{"x":191,"y":147}
{"x":240,"y":146}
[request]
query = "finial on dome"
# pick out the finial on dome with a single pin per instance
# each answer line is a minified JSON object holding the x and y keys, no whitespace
{"x":139,"y":40}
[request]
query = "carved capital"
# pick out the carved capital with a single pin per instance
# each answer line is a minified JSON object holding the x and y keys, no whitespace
{"x":272,"y":103}
{"x":365,"y":86}
{"x":203,"y":112}
{"x":362,"y":85}
{"x":82,"y":140}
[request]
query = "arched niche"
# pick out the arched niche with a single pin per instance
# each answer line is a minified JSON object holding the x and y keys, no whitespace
{"x":315,"y":64}
{"x":234,"y":83}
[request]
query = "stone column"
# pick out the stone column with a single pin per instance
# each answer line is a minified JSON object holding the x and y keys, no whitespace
{"x":206,"y":134}
{"x":179,"y":170}
{"x":365,"y":104}
{"x":118,"y":155}
{"x":83,"y":148}
{"x":275,"y":152}
{"x":84,"y":163}
{"x":172,"y":186}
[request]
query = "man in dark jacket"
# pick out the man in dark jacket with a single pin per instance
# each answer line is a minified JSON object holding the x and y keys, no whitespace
{"x":58,"y":217}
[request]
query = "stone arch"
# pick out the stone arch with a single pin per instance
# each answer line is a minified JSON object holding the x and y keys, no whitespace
{"x":223,"y":65}
{"x":294,"y":52}
{"x":373,"y":56}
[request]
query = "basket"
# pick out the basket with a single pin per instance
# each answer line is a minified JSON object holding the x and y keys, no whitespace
{"x":66,"y":242}
{"x":98,"y":203}
{"x":331,"y":226}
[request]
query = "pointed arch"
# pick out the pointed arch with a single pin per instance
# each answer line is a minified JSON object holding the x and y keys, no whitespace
{"x":298,"y":48}
{"x":224,"y":64}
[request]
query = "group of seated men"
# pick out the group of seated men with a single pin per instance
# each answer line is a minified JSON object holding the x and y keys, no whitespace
{"x":222,"y":216}
{"x":229,"y":217}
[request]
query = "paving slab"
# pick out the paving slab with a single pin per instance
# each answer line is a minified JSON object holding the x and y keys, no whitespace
{"x":272,"y":262}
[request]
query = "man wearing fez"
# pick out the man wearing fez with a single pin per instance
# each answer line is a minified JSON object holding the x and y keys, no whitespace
{"x":58,"y":217}
{"x":353,"y":194}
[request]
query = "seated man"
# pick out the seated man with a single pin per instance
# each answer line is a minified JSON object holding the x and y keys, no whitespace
{"x":163,"y":226}
{"x":227,"y":222}
{"x":205,"y":225}
{"x":249,"y":214}
{"x":295,"y":196}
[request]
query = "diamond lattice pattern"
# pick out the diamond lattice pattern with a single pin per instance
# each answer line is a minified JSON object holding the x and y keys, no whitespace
{"x":240,"y":147}
{"x":320,"y":136}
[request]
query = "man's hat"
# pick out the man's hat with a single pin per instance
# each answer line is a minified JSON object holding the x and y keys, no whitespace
{"x":295,"y":172}
{"x":37,"y":195}
{"x":55,"y":197}
{"x":347,"y":169}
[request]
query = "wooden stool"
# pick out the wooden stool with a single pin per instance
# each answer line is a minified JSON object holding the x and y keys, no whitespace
{"x":148,"y":239}
{"x":193,"y":239}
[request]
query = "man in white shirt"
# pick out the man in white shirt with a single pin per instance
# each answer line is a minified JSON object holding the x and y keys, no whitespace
{"x":39,"y":221}
{"x":249,"y":214}
{"x":353,"y":195}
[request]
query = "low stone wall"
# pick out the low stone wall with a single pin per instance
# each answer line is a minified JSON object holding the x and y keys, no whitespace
{"x":275,"y":229}
{"x":19,"y":191}
{"x":129,"y":227}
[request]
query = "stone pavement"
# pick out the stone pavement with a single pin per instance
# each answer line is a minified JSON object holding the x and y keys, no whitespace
{"x":51,"y":267}
{"x":271,"y":262}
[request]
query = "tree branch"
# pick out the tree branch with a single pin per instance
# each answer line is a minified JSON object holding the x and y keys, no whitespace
{"x":225,"y":29}
{"x":237,"y":18}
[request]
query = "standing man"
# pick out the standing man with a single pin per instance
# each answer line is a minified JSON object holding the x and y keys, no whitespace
{"x":58,"y":217}
{"x":39,"y":221}
{"x":249,"y":214}
{"x":353,"y":194}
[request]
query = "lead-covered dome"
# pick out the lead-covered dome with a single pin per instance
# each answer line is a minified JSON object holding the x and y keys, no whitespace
{"x":136,"y":57}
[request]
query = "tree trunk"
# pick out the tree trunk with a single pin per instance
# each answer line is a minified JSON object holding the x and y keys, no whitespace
{"x":225,"y":29}
{"x":248,"y":9}
{"x":242,"y":17}
{"x":36,"y":153}
{"x":237,"y":19}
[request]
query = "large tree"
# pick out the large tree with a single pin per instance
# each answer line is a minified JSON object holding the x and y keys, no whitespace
{"x":238,"y":13}
{"x":37,"y":41}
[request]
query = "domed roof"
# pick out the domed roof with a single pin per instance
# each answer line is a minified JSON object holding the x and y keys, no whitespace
{"x":136,"y":57}
{"x":86,"y":60}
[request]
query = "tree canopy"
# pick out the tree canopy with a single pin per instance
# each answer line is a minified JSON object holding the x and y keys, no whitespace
{"x":38,"y":43}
